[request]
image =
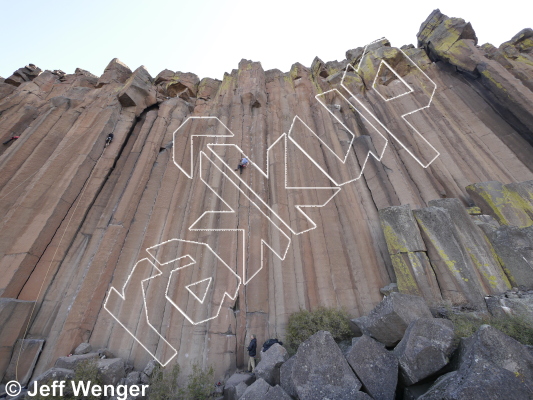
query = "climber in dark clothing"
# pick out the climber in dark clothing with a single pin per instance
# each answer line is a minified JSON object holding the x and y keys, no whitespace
{"x":252,"y":348}
{"x":109,"y":139}
{"x":12,"y":138}
{"x":242,"y":164}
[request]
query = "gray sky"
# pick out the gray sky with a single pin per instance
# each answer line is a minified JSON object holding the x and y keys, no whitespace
{"x":210,"y":37}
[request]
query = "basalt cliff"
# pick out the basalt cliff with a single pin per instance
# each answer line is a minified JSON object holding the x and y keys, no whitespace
{"x":411,"y":166}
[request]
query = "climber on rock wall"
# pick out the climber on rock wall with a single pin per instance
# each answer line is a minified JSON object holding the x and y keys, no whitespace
{"x":12,"y":138}
{"x":242,"y":164}
{"x":109,"y":139}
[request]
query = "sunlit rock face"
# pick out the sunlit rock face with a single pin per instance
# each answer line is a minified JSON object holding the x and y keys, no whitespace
{"x":83,"y":222}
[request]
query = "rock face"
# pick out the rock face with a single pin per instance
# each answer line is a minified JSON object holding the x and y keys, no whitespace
{"x":425,"y":348}
{"x":376,"y":367}
{"x":321,"y":371}
{"x":15,"y":315}
{"x":230,"y":387}
{"x":285,"y":374}
{"x":21,"y":369}
{"x":270,"y":364}
{"x":84,"y":223}
{"x":491,"y":366}
{"x":260,"y":390}
{"x":389,"y":320}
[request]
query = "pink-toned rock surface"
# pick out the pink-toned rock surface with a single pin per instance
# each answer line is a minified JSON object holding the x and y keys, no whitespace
{"x":77,"y":219}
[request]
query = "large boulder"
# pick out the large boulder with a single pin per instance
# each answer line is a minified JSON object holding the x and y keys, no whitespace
{"x":491,"y":365}
{"x":240,"y":389}
{"x":514,"y":248}
{"x":260,"y":390}
{"x":476,"y":245}
{"x":271,"y":361}
{"x":482,"y":381}
{"x":285,"y":377}
{"x":491,"y":345}
{"x":505,"y":205}
{"x":115,"y":72}
{"x":519,"y":303}
{"x":321,"y":371}
{"x":24,"y":74}
{"x":138,"y":91}
{"x":425,"y":348}
{"x":449,"y":39}
{"x":53,"y":374}
{"x":388,"y":321}
{"x":230,"y":388}
{"x":407,"y":250}
{"x":376,"y":367}
{"x":450,"y":258}
{"x":111,"y":370}
{"x":83,"y":348}
{"x":72,"y":362}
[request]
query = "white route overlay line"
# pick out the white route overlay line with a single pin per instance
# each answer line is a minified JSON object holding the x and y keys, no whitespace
{"x":188,"y":287}
{"x":403,"y":115}
{"x":225,"y":293}
{"x":265,"y":173}
{"x":383,"y":62}
{"x":263,"y":243}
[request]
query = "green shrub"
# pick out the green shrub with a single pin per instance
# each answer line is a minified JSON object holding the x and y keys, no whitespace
{"x":198,"y":386}
{"x":304,"y":324}
{"x":87,"y":371}
{"x":514,"y":326}
{"x":164,"y":384}
{"x":199,"y":383}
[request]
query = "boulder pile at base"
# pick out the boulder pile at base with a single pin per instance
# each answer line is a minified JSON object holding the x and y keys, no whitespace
{"x":404,"y":353}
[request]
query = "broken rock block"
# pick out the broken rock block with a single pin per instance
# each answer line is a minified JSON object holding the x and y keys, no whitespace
{"x":14,"y":315}
{"x":407,"y":250}
{"x":376,"y":367}
{"x":53,"y":374}
{"x":388,"y":321}
{"x":514,"y":247}
{"x":425,"y":348}
{"x":490,"y":345}
{"x":502,"y":306}
{"x":25,"y":74}
{"x":23,"y":360}
{"x":115,"y":72}
{"x":452,"y":263}
{"x":73,"y":361}
{"x":491,"y":366}
{"x":260,"y":390}
{"x":83,"y":348}
{"x":230,"y":388}
{"x":138,"y":91}
{"x":506,"y":205}
{"x":271,"y":361}
{"x":111,"y":370}
{"x":285,"y":375}
{"x":476,"y":245}
{"x":320,"y":370}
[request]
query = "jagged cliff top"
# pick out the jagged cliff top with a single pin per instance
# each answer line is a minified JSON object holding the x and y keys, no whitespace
{"x":78,"y":218}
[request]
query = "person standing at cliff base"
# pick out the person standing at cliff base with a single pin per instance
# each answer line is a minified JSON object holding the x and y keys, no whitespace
{"x":252,"y":349}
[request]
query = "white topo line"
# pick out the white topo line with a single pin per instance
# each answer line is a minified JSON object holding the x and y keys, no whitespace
{"x":265,"y":173}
